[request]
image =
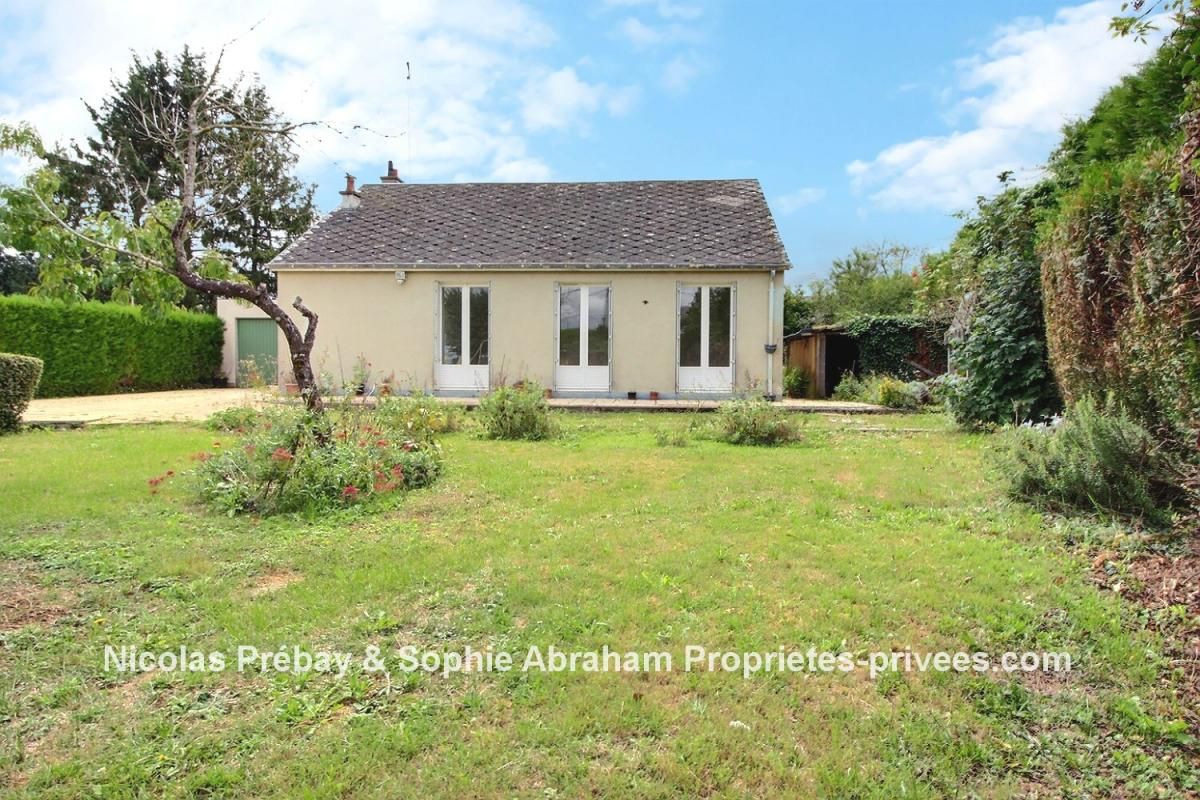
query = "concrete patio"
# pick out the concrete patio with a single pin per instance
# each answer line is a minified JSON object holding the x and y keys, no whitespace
{"x":194,"y":405}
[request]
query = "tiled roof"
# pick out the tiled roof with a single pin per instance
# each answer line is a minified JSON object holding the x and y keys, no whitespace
{"x":722,"y":223}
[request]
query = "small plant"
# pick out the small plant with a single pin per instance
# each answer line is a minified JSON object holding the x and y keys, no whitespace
{"x":796,"y":381}
{"x":361,"y":376}
{"x":237,"y":418}
{"x":517,"y":412}
{"x":882,"y":390}
{"x":755,"y":421}
{"x":675,"y":437}
{"x":850,"y":388}
{"x":1095,"y":459}
{"x":19,"y":376}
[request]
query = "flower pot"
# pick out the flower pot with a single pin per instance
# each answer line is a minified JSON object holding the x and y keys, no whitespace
{"x":654,"y":395}
{"x":291,"y":388}
{"x":548,"y":393}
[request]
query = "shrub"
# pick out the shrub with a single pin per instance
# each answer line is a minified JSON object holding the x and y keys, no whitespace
{"x":512,"y":412}
{"x":19,"y":376}
{"x":795,"y":382}
{"x":281,"y":465}
{"x":419,"y":416}
{"x":755,"y":421}
{"x":882,"y":390}
{"x":100,"y":348}
{"x":237,"y":418}
{"x":895,"y":393}
{"x":1093,"y":460}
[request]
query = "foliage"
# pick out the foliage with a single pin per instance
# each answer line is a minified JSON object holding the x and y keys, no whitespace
{"x":997,"y":339}
{"x":289,"y":462}
{"x":882,"y":390}
{"x":797,"y":310}
{"x":18,"y":271}
{"x":98,"y":348}
{"x":1121,"y":284}
{"x":1097,"y":458}
{"x":876,"y":280}
{"x":896,"y":345}
{"x":755,"y":421}
{"x":19,"y":376}
{"x":419,"y":417}
{"x":671,"y":437}
{"x":234,"y":418}
{"x":1140,"y":112}
{"x":517,"y":412}
{"x":796,"y":381}
{"x":126,"y":169}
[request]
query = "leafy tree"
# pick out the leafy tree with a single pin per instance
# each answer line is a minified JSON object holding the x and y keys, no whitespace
{"x":18,"y":271}
{"x":875,"y":280}
{"x":128,"y":168}
{"x":797,"y":310}
{"x":206,"y":138}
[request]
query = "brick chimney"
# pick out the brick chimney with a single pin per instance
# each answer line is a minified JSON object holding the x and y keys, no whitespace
{"x":392,"y":175}
{"x":350,"y":196}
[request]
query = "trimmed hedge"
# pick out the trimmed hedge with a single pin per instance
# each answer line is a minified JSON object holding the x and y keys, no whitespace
{"x":101,"y":348}
{"x":19,"y":376}
{"x":891,"y":345}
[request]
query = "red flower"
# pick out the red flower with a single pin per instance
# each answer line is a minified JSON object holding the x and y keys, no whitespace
{"x":350,"y":492}
{"x":382,"y":443}
{"x":282,"y":454}
{"x":409,"y":446}
{"x":397,"y":471}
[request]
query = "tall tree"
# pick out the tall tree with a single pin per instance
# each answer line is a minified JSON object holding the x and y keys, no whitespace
{"x":206,"y":139}
{"x":873,"y":280}
{"x":127,"y":167}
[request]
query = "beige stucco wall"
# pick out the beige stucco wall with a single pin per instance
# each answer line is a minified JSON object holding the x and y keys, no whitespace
{"x":392,"y":324}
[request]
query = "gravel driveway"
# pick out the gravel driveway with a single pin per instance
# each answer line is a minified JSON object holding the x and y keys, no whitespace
{"x":108,"y":409}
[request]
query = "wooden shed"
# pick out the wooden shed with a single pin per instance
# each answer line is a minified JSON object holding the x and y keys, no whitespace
{"x":825,"y":352}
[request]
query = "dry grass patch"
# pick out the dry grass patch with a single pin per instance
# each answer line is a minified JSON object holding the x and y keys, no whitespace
{"x":25,"y":601}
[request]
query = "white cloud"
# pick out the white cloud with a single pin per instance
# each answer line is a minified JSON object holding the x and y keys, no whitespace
{"x":560,"y":98}
{"x":679,"y":73}
{"x":1015,"y":95}
{"x":792,"y":202}
{"x":470,"y":59}
{"x":664,"y":8}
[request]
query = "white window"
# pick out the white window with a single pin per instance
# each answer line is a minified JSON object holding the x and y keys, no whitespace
{"x":706,"y":317}
{"x":584,"y":339}
{"x":462,"y":352}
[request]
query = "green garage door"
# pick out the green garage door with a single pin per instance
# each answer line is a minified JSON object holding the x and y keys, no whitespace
{"x":257,"y":357}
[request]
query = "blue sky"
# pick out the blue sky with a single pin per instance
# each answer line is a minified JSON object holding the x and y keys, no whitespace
{"x":865,"y":122}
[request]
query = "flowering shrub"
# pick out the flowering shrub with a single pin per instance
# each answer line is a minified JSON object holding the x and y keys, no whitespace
{"x":287,"y":463}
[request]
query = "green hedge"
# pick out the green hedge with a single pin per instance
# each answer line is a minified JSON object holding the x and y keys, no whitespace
{"x":19,"y":376}
{"x":891,"y":345}
{"x":101,"y":348}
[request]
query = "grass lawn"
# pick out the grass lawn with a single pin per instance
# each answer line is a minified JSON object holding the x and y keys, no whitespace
{"x":855,"y":540}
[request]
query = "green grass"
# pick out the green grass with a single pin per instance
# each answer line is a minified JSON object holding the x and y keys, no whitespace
{"x":855,"y":540}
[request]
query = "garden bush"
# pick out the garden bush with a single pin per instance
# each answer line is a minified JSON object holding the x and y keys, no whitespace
{"x":19,"y":376}
{"x":1097,"y":458}
{"x":882,"y":390}
{"x":289,"y":463}
{"x":796,"y":381}
{"x":517,"y":412}
{"x":237,"y":418}
{"x":755,"y":421}
{"x":101,"y":348}
{"x":420,"y":416}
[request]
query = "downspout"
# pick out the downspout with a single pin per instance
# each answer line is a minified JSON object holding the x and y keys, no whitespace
{"x":771,"y":345}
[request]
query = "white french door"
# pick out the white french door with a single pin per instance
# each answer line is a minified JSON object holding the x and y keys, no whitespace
{"x":705,"y":339}
{"x":462,"y":340}
{"x":584,"y":339}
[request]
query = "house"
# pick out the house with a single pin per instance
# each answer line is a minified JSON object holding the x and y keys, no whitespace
{"x":592,"y":289}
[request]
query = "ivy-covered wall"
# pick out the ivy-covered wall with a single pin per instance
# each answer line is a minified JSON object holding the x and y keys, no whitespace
{"x":892,"y":345}
{"x":101,"y":348}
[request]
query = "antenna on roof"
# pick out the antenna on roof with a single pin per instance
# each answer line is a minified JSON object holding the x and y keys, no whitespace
{"x":408,"y":113}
